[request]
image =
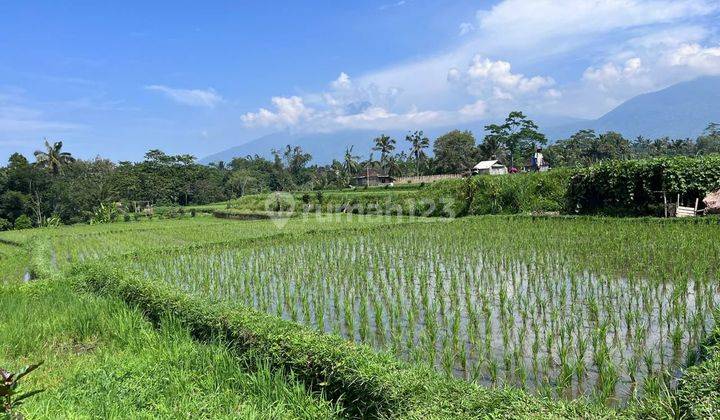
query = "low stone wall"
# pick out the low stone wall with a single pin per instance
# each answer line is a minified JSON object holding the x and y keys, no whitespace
{"x":426,"y":179}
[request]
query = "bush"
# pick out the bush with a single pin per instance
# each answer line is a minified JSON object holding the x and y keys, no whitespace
{"x":518,"y":193}
{"x":5,"y":224}
{"x":635,"y":187}
{"x":23,"y":222}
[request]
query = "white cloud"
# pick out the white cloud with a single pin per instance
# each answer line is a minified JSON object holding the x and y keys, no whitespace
{"x":705,"y":60}
{"x":610,"y":74}
{"x":342,"y":82}
{"x":545,"y":33}
{"x":288,"y":111}
{"x":531,"y":22}
{"x":627,"y":47}
{"x":476,"y":109}
{"x":465,"y":28}
{"x":488,"y":78}
{"x":399,"y":3}
{"x":194,"y":97}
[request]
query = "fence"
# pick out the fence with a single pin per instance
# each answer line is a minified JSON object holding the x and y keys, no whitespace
{"x":426,"y":179}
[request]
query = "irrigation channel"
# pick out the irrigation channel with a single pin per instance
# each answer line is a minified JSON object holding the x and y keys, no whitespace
{"x":558,"y":315}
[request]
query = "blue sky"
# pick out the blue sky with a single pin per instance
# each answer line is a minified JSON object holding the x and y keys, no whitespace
{"x":191,"y":77}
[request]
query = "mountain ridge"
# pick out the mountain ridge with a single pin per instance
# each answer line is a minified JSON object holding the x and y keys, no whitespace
{"x":678,"y":111}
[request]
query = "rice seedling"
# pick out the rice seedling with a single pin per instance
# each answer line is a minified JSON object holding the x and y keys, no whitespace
{"x":571,"y":307}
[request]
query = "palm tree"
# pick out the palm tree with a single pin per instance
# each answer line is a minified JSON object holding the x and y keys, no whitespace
{"x":385,"y":145}
{"x":392,"y":166}
{"x":350,"y":163}
{"x":418,"y":142}
{"x":53,"y":157}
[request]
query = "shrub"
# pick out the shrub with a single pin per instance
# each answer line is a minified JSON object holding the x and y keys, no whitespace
{"x":5,"y":224}
{"x":10,"y":395}
{"x":104,"y":213}
{"x":635,"y":187}
{"x":23,"y":222}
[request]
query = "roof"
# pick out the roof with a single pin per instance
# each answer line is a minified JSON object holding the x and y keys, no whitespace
{"x":372,"y":172}
{"x":487,"y":164}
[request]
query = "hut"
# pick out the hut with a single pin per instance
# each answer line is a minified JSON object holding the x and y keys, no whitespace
{"x":371,"y":177}
{"x":490,"y":167}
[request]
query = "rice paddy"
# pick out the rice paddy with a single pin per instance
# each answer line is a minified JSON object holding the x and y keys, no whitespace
{"x":604,"y":309}
{"x":609,"y":309}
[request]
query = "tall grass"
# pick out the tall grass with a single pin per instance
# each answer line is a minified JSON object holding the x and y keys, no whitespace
{"x":103,"y":359}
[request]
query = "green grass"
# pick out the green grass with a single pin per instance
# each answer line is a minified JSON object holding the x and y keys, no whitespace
{"x":103,"y":359}
{"x":620,"y":277}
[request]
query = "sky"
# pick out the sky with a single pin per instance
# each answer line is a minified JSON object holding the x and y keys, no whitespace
{"x":118,"y":79}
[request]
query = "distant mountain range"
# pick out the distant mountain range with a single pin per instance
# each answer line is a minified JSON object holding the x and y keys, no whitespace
{"x":679,"y":111}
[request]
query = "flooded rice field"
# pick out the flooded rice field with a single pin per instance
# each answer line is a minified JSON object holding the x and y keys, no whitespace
{"x":554,"y":316}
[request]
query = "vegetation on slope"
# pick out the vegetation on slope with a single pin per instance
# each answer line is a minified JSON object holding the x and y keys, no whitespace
{"x":103,"y":358}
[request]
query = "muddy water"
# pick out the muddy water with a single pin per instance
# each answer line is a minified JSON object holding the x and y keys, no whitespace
{"x":534,"y":322}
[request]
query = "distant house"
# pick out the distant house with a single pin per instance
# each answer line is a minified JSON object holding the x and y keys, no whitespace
{"x":371,"y":176}
{"x":490,"y":167}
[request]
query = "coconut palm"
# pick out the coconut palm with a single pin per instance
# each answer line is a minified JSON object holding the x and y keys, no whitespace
{"x":418,"y":142}
{"x":53,"y":158}
{"x":350,"y":163}
{"x":392,"y":167}
{"x":385,"y":145}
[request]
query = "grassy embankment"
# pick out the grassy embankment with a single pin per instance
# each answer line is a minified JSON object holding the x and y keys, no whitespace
{"x":103,"y":358}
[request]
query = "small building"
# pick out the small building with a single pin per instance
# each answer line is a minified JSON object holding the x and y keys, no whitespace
{"x":490,"y":167}
{"x":371,"y":177}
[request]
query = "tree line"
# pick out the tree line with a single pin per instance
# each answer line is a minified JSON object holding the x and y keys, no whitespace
{"x":57,"y":188}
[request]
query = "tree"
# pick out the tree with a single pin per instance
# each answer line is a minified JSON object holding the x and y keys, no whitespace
{"x":393,"y":167}
{"x":492,"y":148}
{"x":350,"y":162}
{"x":243,"y":181}
{"x":385,"y":145}
{"x":455,"y":152}
{"x":13,"y":204}
{"x":518,"y":135}
{"x":586,"y":148}
{"x":709,"y":141}
{"x":23,"y":222}
{"x":418,"y":142}
{"x":53,"y":157}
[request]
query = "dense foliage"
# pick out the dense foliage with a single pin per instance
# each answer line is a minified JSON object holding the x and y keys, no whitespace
{"x":57,"y":188}
{"x":636,"y":187}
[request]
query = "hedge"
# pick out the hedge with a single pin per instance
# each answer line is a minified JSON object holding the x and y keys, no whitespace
{"x":367,"y":383}
{"x":634,"y":187}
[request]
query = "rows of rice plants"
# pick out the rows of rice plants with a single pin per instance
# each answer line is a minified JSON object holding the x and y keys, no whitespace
{"x":77,"y":243}
{"x":598,"y":307}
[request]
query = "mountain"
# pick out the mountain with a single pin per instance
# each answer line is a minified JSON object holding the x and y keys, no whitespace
{"x":679,"y":111}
